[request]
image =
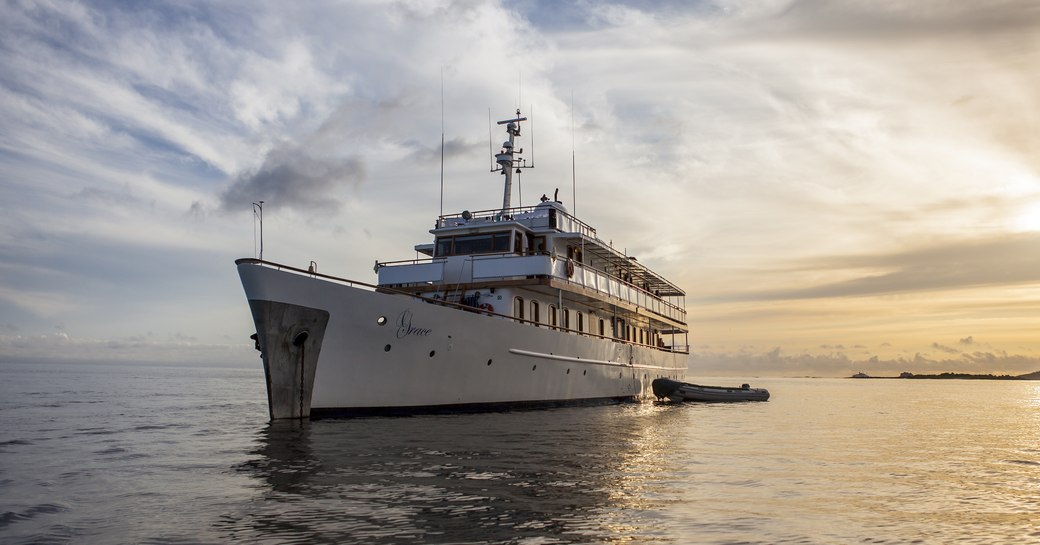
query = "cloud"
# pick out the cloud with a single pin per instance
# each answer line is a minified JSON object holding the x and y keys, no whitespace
{"x":769,"y":155}
{"x":197,"y":211}
{"x":778,"y":362}
{"x":959,"y":264}
{"x":453,"y":148}
{"x":291,"y":178}
{"x":177,"y":349}
{"x":876,"y":22}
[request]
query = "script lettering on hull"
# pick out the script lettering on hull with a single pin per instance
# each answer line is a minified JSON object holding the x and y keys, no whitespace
{"x":405,"y":327}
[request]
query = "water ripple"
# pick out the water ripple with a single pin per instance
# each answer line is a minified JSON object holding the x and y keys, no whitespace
{"x":10,"y":517}
{"x":824,"y":461}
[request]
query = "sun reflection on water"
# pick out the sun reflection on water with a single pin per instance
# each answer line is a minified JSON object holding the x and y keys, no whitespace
{"x":823,"y":461}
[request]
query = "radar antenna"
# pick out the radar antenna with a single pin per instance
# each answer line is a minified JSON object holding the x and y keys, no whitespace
{"x":508,"y":160}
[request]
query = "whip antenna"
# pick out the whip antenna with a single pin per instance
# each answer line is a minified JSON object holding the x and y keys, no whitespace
{"x":574,"y":179}
{"x":532,"y":135}
{"x":442,"y":141}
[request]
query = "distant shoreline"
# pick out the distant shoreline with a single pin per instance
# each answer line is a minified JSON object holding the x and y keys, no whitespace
{"x":955,"y":376}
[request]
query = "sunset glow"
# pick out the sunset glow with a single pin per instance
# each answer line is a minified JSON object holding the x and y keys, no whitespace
{"x":1029,"y":218}
{"x":839,"y":187}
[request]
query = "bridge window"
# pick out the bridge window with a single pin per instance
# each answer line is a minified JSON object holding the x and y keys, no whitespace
{"x":482,"y":243}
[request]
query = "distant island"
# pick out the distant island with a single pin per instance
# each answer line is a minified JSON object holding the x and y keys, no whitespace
{"x":958,"y":376}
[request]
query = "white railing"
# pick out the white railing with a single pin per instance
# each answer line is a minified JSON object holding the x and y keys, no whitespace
{"x":495,"y":267}
{"x":535,"y":216}
{"x":455,"y":270}
{"x":677,"y":348}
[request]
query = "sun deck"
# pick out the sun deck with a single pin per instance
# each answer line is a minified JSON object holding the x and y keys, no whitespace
{"x":534,"y":246}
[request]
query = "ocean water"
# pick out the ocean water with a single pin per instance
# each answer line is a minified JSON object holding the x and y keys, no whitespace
{"x":135,"y":454}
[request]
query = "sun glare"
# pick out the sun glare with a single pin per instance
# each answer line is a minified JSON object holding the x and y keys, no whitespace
{"x":1029,"y":218}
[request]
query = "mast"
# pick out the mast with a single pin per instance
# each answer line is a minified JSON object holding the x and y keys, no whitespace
{"x":508,"y":159}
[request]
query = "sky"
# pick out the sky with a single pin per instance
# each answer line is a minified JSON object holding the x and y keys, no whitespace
{"x":839,"y":186}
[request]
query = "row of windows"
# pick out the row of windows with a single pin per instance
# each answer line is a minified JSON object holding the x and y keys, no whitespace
{"x":488,"y":243}
{"x":621,"y":330}
{"x":484,"y":243}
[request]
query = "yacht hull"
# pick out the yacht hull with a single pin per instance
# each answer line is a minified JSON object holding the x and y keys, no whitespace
{"x":330,"y":348}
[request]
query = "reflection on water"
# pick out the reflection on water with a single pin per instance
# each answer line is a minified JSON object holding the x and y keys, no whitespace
{"x":823,"y":462}
{"x":573,"y":473}
{"x":115,"y":454}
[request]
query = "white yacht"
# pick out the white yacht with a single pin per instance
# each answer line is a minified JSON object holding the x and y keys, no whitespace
{"x":514,"y":307}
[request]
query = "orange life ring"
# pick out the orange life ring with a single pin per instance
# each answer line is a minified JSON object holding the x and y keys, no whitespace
{"x":488,"y":308}
{"x":570,"y":268}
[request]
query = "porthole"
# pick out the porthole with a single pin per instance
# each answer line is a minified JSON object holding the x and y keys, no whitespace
{"x":533,"y":367}
{"x":489,"y":362}
{"x":585,"y":372}
{"x":381,"y":320}
{"x":568,"y":371}
{"x":386,"y":348}
{"x":432,"y":352}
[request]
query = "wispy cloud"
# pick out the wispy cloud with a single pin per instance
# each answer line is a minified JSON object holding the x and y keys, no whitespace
{"x":779,"y":159}
{"x":778,"y":362}
{"x":908,"y":20}
{"x":176,"y":348}
{"x":292,"y":178}
{"x":958,"y":264}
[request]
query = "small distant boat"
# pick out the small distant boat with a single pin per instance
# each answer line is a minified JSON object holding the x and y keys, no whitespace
{"x":684,"y":391}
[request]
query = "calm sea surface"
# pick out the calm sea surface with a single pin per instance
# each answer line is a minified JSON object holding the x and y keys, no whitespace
{"x":121,"y":454}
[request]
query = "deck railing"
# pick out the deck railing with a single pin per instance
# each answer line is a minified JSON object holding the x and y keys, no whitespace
{"x":564,"y":221}
{"x":500,"y":267}
{"x":678,"y":349}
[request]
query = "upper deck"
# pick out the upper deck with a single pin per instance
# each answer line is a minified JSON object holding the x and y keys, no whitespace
{"x":539,"y":245}
{"x":552,"y":219}
{"x":540,"y":248}
{"x":548,"y":215}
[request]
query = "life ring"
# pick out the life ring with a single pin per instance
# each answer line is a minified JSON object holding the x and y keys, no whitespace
{"x":570,"y":268}
{"x":487,"y":308}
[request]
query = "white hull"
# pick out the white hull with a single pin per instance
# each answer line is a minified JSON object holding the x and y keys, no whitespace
{"x":376,"y":351}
